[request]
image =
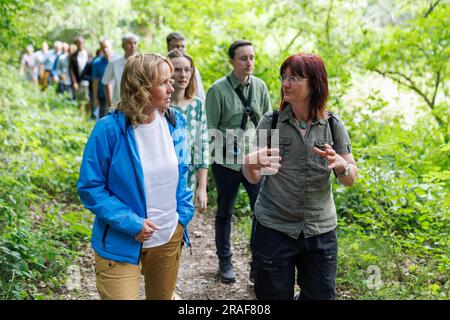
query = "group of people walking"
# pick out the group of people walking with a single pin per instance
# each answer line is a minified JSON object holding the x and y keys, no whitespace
{"x":144,"y":171}
{"x":64,"y":67}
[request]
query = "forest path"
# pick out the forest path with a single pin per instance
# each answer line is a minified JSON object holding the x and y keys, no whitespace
{"x":198,"y":275}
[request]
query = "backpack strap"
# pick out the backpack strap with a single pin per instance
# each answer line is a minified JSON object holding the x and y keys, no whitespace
{"x":246,"y":103}
{"x":170,"y":116}
{"x":275,"y":114}
{"x":332,"y":123}
{"x":273,"y":126}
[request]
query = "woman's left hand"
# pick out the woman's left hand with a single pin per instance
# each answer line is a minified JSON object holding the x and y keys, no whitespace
{"x":201,"y":199}
{"x":335,"y":161}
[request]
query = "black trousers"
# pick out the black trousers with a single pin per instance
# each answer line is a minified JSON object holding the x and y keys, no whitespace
{"x":276,"y":256}
{"x":227,"y":184}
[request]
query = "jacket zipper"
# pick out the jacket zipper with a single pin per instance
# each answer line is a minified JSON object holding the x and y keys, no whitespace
{"x":140,"y":252}
{"x":139,"y":184}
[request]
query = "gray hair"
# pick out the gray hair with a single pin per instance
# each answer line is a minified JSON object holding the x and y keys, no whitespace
{"x":128,"y":37}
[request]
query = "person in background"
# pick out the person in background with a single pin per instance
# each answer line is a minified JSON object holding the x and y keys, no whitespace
{"x":114,"y":69}
{"x":176,"y":41}
{"x":193,"y":109}
{"x":295,"y":227}
{"x":54,"y":72}
{"x":28,"y":66}
{"x":98,"y":69}
{"x":63,"y":72}
{"x":49,"y":63}
{"x":87,"y":75}
{"x":77,"y":63}
{"x":133,"y":177}
{"x":227,"y":112}
{"x":40,"y":56}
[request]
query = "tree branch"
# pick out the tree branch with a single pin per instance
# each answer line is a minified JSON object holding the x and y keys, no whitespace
{"x":293,"y":40}
{"x":410,"y":84}
{"x":436,"y":86}
{"x":431,"y":8}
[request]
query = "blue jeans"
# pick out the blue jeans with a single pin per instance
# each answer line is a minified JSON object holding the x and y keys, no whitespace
{"x":227,"y":184}
{"x":276,"y":256}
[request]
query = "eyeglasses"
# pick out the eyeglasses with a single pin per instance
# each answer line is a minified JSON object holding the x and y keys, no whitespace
{"x":167,"y":82}
{"x":291,"y":79}
{"x":180,"y":70}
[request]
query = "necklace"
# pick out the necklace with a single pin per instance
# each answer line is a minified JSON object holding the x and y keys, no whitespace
{"x":302,"y":124}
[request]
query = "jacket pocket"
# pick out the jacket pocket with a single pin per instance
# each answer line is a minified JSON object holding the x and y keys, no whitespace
{"x":104,"y":235}
{"x":285,"y":144}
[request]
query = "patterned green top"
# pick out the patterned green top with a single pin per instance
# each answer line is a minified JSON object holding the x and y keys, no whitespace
{"x":197,"y":129}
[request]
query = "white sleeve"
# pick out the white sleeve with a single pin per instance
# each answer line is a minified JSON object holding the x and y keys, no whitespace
{"x":200,"y":91}
{"x":108,"y":76}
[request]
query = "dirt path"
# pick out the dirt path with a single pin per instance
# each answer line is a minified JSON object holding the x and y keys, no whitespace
{"x":198,"y":275}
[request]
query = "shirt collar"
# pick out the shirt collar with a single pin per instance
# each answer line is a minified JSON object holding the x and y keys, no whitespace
{"x":288,"y":114}
{"x":235,"y":82}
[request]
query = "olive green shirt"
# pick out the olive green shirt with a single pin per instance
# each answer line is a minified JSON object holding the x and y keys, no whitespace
{"x":299,"y":197}
{"x":225,"y":110}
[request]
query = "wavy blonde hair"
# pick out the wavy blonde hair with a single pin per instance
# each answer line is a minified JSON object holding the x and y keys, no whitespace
{"x":141,"y":72}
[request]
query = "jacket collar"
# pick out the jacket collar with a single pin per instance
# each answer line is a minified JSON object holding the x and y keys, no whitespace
{"x":120,"y":119}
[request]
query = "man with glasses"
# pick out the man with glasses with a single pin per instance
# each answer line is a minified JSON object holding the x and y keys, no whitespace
{"x":236,"y":101}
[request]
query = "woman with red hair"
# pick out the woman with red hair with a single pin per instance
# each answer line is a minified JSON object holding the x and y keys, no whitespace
{"x":295,"y":227}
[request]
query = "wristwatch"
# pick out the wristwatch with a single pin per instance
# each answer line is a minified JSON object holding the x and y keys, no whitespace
{"x":346,"y":170}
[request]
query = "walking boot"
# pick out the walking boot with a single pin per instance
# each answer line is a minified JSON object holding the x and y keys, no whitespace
{"x":226,"y":272}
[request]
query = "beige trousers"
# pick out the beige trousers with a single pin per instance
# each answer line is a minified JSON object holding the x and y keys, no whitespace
{"x":159,"y":265}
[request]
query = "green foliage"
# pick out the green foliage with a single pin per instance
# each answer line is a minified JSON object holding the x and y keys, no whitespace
{"x":41,"y":141}
{"x":397,"y":215}
{"x":399,"y":208}
{"x":414,"y":52}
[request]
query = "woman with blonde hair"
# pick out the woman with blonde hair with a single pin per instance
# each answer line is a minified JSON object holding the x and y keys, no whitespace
{"x":133,"y":177}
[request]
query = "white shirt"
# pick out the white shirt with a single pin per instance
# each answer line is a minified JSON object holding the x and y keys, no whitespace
{"x":198,"y":80}
{"x":160,"y":167}
{"x":112,"y":75}
{"x":82,"y":59}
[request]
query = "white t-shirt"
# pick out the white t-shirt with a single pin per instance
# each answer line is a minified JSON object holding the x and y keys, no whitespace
{"x":160,"y":167}
{"x":82,"y":59}
{"x":112,"y":75}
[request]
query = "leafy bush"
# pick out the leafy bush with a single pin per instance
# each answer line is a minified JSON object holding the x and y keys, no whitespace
{"x":41,"y":142}
{"x":397,"y":215}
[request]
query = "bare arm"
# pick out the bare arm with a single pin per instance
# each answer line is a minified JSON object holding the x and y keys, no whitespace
{"x":201,"y":197}
{"x":108,"y":94}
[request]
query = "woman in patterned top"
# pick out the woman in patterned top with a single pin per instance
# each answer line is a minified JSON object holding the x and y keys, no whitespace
{"x":194,"y":112}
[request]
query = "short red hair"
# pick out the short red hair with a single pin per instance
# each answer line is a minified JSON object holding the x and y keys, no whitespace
{"x":311,"y":67}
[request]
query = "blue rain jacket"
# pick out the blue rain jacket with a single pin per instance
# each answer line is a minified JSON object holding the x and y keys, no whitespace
{"x":111,"y":185}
